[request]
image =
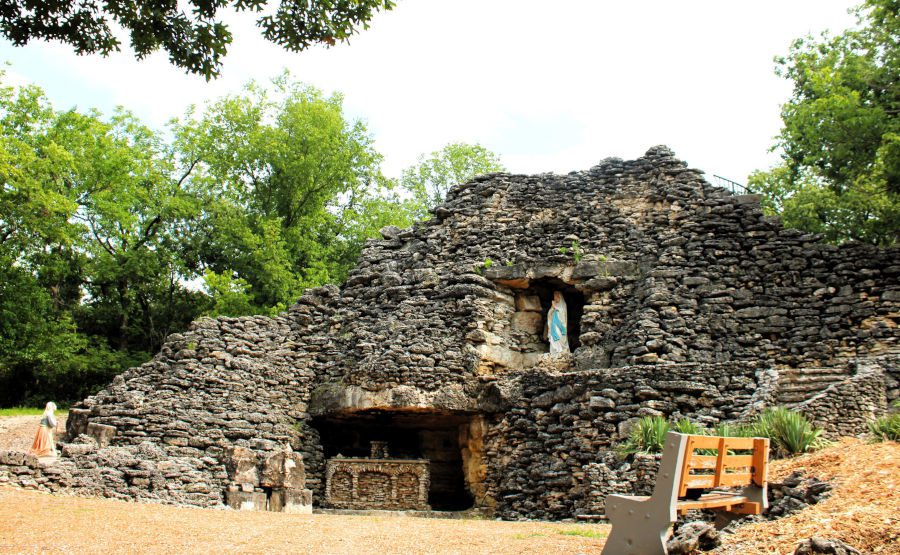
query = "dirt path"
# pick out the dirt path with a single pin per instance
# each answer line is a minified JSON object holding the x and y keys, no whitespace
{"x":863,"y":511}
{"x":32,"y":522}
{"x":17,"y":432}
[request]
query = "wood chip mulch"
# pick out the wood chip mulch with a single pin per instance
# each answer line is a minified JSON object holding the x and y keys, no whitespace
{"x":863,"y":510}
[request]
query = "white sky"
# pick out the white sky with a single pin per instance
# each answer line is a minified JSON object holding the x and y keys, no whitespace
{"x":549,"y":86}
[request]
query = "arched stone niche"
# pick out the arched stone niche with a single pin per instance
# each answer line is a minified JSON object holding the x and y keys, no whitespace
{"x":512,"y":333}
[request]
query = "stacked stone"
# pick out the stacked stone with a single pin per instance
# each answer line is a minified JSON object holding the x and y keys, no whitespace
{"x":224,"y":382}
{"x":846,"y":407}
{"x":276,"y":482}
{"x":556,"y":425}
{"x":695,"y":303}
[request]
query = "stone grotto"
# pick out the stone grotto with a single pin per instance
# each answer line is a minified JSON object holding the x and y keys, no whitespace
{"x":425,"y":380}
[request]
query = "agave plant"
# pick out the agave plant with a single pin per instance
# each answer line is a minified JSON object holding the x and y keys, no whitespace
{"x":729,"y":429}
{"x":685,"y":426}
{"x":886,"y":428}
{"x":790,"y":432}
{"x":647,"y":436}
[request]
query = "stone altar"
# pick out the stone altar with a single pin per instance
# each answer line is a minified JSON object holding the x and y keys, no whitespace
{"x":377,"y":483}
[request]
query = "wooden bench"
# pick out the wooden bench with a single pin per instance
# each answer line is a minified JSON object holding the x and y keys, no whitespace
{"x":688,"y":479}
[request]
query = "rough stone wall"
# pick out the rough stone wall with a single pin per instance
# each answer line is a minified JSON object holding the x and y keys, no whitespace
{"x":846,"y":407}
{"x":541,"y":450}
{"x":694,"y":305}
{"x":224,"y":382}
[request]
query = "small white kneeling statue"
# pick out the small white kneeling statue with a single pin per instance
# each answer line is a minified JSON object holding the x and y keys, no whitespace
{"x":556,"y":325}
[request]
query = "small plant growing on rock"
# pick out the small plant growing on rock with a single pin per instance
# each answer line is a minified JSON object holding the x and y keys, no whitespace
{"x":790,"y":432}
{"x":576,"y":251}
{"x":886,"y":428}
{"x":647,"y":436}
{"x":479,"y":268}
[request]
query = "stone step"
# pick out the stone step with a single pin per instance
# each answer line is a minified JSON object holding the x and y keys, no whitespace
{"x":791,"y":399}
{"x":812,"y":382}
{"x":812,"y":371}
{"x":796,"y":385}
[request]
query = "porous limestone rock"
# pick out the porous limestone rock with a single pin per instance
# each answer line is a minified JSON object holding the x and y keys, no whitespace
{"x":689,"y":302}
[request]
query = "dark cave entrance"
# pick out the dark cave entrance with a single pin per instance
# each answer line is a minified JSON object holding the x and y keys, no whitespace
{"x":438,"y":436}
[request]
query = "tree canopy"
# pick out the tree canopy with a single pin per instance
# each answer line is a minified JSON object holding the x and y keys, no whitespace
{"x":431,"y":177}
{"x":840,"y":143}
{"x":113,"y":235}
{"x":191,"y":32}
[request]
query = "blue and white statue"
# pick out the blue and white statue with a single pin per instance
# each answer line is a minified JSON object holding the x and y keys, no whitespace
{"x":556,"y":325}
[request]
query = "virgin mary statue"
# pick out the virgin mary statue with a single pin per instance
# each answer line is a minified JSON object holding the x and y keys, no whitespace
{"x":556,"y":325}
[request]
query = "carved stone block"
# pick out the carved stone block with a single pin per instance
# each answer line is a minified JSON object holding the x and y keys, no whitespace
{"x":101,"y":432}
{"x":240,"y":463}
{"x":245,"y":500}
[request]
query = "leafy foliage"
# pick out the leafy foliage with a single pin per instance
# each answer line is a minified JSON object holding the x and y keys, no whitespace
{"x":431,"y":178}
{"x":887,"y":428}
{"x":841,"y":137}
{"x":91,"y":211}
{"x":291,"y":191}
{"x":108,"y":232}
{"x":647,"y":436}
{"x":685,"y":426}
{"x":789,"y":432}
{"x":191,"y":32}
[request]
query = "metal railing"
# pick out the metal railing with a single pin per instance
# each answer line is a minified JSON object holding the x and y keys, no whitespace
{"x":733,"y":186}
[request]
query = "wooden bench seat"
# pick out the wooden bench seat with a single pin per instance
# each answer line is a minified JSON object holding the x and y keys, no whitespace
{"x":692,"y":472}
{"x":724,"y":500}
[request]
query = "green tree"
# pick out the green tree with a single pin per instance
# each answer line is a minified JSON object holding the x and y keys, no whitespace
{"x":292,"y":189}
{"x":429,"y":180}
{"x":92,"y":216}
{"x":106,"y":229}
{"x":191,"y":32}
{"x":841,"y":138}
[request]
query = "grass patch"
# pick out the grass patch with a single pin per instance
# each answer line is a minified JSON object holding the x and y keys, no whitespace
{"x":527,"y":536}
{"x":28,"y":411}
{"x":21,"y":411}
{"x":583,"y":532}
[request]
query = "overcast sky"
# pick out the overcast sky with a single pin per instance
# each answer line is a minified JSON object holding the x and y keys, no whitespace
{"x":549,"y":86}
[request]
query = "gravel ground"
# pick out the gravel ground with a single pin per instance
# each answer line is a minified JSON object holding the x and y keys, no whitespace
{"x":862,"y":511}
{"x":32,"y":522}
{"x":17,"y":432}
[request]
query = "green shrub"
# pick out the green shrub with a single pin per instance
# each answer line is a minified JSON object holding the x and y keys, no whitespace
{"x":727,"y":429}
{"x":789,"y":432}
{"x":685,"y":426}
{"x":886,"y":428}
{"x":647,"y":436}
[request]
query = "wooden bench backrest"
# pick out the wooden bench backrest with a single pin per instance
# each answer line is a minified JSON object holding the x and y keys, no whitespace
{"x":703,"y":471}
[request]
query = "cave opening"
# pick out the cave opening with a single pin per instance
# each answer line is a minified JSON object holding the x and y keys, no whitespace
{"x":438,"y":436}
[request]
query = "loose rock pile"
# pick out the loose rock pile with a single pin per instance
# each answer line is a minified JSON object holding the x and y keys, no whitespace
{"x":825,"y":546}
{"x":795,"y":493}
